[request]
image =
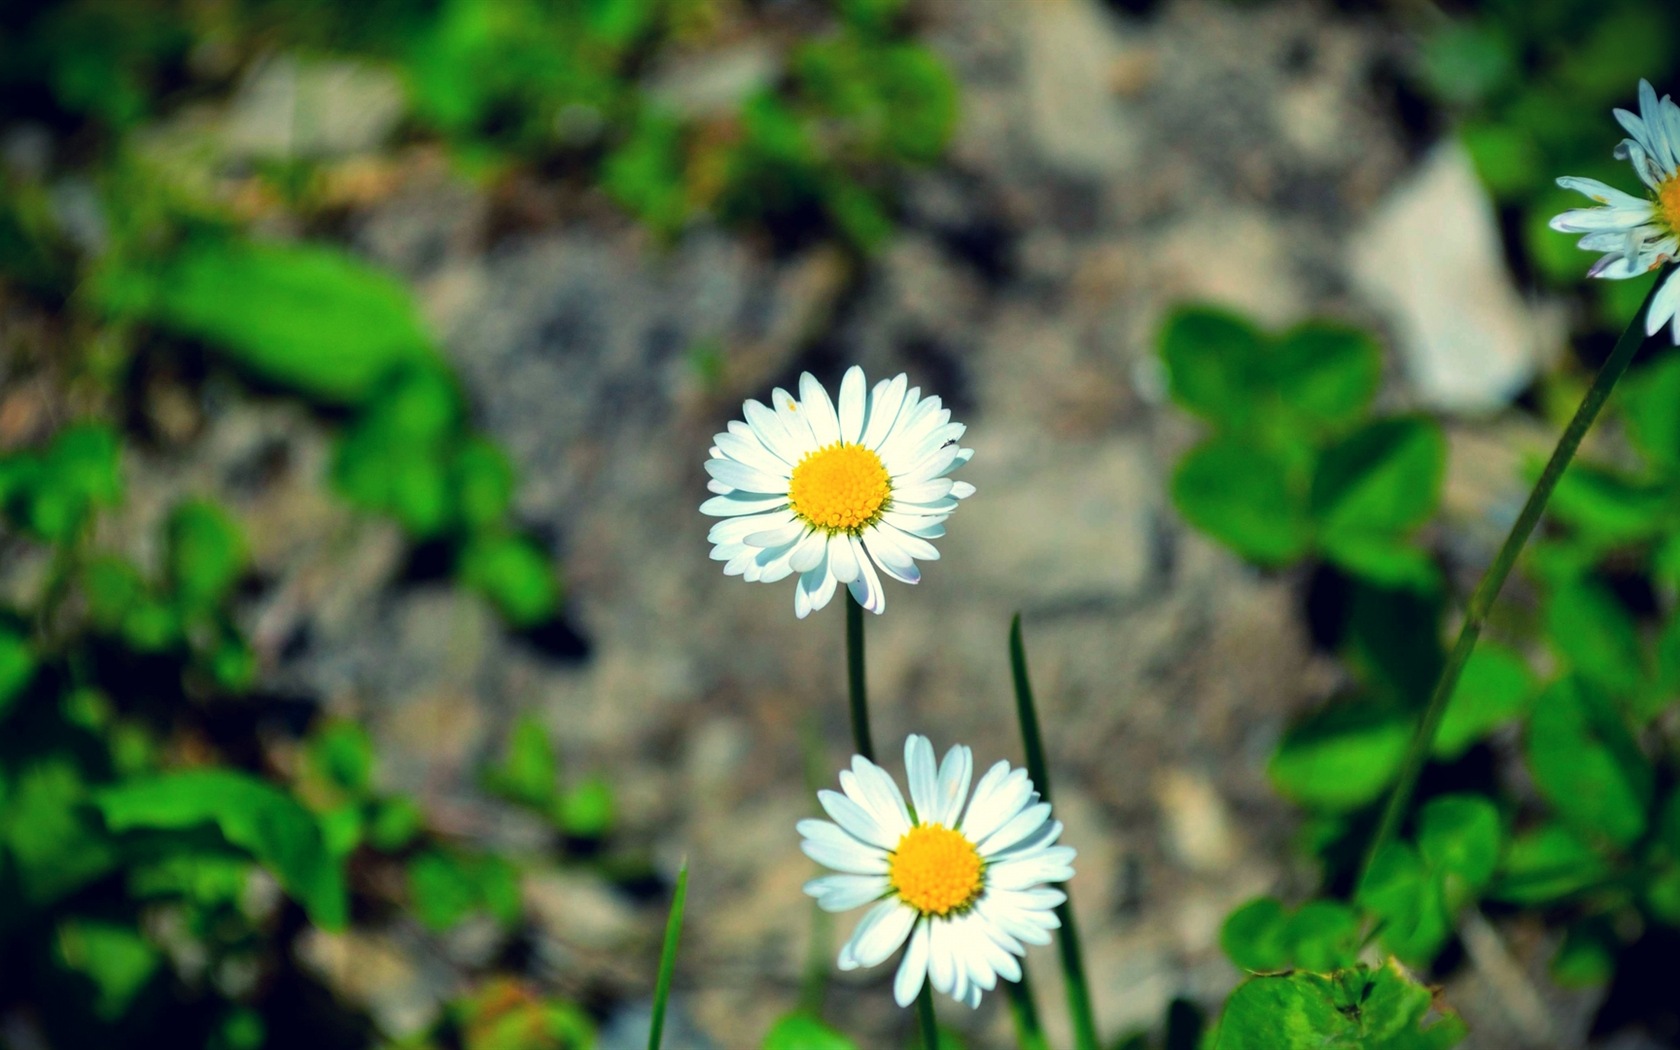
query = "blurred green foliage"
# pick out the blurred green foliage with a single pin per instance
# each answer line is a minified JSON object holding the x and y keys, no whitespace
{"x":1357,"y":1008}
{"x":1561,"y":798}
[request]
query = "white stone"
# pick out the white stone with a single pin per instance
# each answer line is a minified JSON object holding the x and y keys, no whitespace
{"x":1430,"y":259}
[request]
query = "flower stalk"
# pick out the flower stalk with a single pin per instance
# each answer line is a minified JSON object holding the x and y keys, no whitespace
{"x":1481,"y":601}
{"x":857,"y":690}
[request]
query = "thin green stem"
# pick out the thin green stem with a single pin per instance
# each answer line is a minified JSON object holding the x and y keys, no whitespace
{"x":1481,"y":601}
{"x":857,"y":690}
{"x":1032,"y":742}
{"x":668,"y":959}
{"x":1029,"y":1034}
{"x":924,"y":1017}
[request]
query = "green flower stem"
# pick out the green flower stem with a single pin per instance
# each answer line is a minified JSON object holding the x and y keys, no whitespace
{"x":1073,"y":960}
{"x":924,"y":1017}
{"x":668,"y":959}
{"x":1029,"y":1035}
{"x":857,"y":691}
{"x":1476,"y":613}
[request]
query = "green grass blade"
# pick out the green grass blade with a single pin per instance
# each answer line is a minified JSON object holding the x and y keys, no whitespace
{"x":668,"y":959}
{"x":1029,"y":1034}
{"x":1073,"y":958}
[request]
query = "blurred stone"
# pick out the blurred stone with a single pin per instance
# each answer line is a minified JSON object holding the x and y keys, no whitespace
{"x":1056,"y":526}
{"x":372,"y":970}
{"x":1234,"y":256}
{"x":1071,"y":50}
{"x":577,"y":908}
{"x":1431,"y":260}
{"x":292,"y":106}
{"x":714,"y":84}
{"x":1198,"y":826}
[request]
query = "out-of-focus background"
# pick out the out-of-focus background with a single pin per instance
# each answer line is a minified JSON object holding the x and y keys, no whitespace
{"x":364,"y":676}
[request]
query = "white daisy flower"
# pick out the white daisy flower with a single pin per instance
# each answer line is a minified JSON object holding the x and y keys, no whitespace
{"x":831,"y":495}
{"x":1637,"y":235}
{"x":961,"y":879}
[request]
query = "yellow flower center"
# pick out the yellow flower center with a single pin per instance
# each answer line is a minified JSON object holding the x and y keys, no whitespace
{"x":840,"y":487}
{"x":1668,"y":202}
{"x":935,"y":870}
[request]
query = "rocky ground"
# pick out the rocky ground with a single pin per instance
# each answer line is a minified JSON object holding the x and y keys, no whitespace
{"x":1107,"y":167}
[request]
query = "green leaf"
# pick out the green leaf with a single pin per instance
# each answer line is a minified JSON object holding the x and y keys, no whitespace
{"x":1211,"y":357}
{"x":115,"y":959}
{"x":17,"y":666}
{"x":801,"y":1031}
{"x":1598,"y":637}
{"x":1341,"y":757}
{"x":393,"y":823}
{"x":204,"y":554}
{"x":50,"y":848}
{"x":1323,"y":935}
{"x":1587,"y":956}
{"x":1547,"y":864}
{"x":342,"y":755}
{"x":1325,"y":374}
{"x":1243,"y":497}
{"x":446,"y":887}
{"x":254,"y":816}
{"x":1650,"y":399}
{"x":1411,"y":901}
{"x":1461,"y":834}
{"x":1355,"y":1009}
{"x":483,"y":480}
{"x":1495,"y":687}
{"x":586,"y":811}
{"x":513,"y":574}
{"x":1383,"y":479}
{"x":1464,"y":63}
{"x":528,"y":772}
{"x":1255,"y":936}
{"x":309,"y":317}
{"x":1608,"y":506}
{"x":1586,"y":763}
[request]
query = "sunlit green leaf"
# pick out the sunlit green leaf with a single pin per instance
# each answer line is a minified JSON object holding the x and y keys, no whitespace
{"x":252,"y":815}
{"x":1461,"y":834}
{"x":1355,"y":1009}
{"x":115,"y":959}
{"x":1495,"y":687}
{"x":1341,"y":757}
{"x":17,"y":666}
{"x":1410,"y":900}
{"x":309,"y":317}
{"x":1211,"y":357}
{"x":1384,"y":478}
{"x":1243,"y":497}
{"x":528,"y":772}
{"x":1546,"y":864}
{"x":1598,"y":637}
{"x":1587,"y":956}
{"x":513,"y":574}
{"x":1255,"y":936}
{"x":1586,"y":763}
{"x":801,"y":1031}
{"x":205,"y":553}
{"x":586,"y":810}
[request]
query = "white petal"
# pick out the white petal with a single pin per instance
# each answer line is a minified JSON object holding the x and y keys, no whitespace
{"x":794,"y":420}
{"x":737,"y":529}
{"x":751,"y":452}
{"x":890,"y":555}
{"x":883,"y":411}
{"x":1663,"y":305}
{"x":740,"y":476}
{"x":921,"y":773}
{"x":1602,"y":193}
{"x":853,"y":394}
{"x":733,"y":504}
{"x":912,"y":971}
{"x":835,"y":893}
{"x":961,"y":489}
{"x":831,"y":847}
{"x":1017,"y":828}
{"x":872,"y":788}
{"x":942,"y":963}
{"x":866,"y":589}
{"x":778,"y":535}
{"x":879,"y":933}
{"x":808,"y":553}
{"x":856,"y":821}
{"x":954,"y":776}
{"x":818,"y":410}
{"x":842,"y":562}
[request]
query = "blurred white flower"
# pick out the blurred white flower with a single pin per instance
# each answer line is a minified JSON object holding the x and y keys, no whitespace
{"x":1635,"y":234}
{"x":831,"y":493}
{"x":962,"y":880}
